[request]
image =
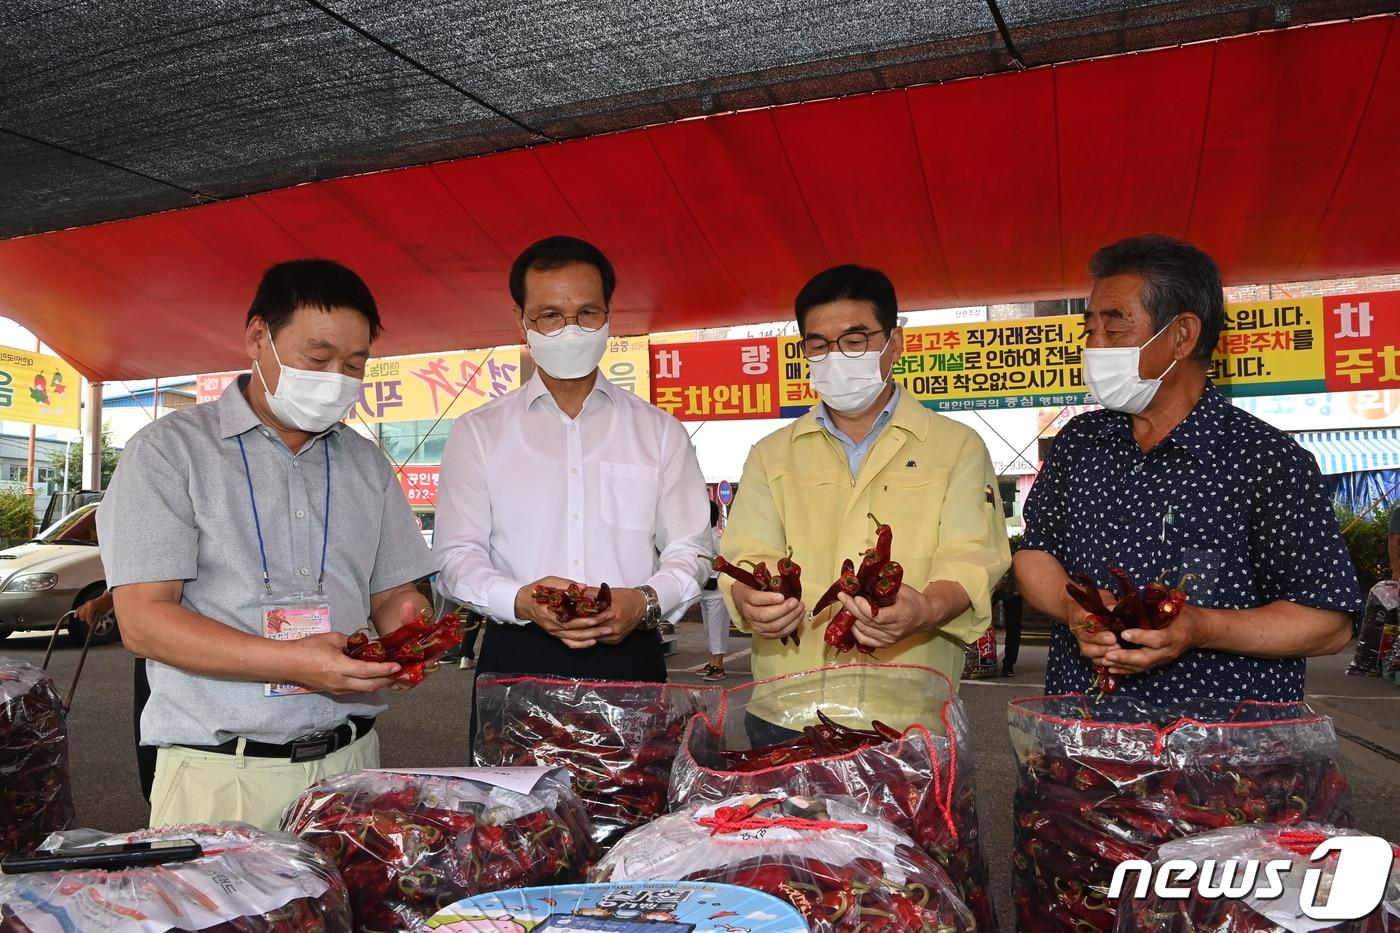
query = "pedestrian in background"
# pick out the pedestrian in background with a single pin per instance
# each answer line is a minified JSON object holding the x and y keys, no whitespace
{"x":714,"y":612}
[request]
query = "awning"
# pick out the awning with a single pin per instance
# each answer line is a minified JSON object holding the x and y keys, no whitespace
{"x":1353,"y":451}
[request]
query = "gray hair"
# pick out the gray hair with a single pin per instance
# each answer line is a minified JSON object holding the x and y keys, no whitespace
{"x":1177,"y":277}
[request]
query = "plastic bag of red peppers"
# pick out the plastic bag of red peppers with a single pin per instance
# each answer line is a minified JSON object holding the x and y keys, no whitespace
{"x":843,"y":868}
{"x":1242,"y":851}
{"x":920,"y":781}
{"x":617,"y":739}
{"x":35,"y":796}
{"x":1104,"y":780}
{"x":408,"y":845}
{"x":247,"y":881}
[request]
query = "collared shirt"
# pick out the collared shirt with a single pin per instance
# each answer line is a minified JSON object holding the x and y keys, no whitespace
{"x":178,"y":509}
{"x":1224,"y":496}
{"x":857,"y":452}
{"x":930,"y":478}
{"x":612,"y":496}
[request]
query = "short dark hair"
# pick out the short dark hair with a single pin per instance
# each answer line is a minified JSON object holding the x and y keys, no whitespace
{"x":857,"y":283}
{"x":556,"y":252}
{"x":1177,"y":277}
{"x":311,"y":283}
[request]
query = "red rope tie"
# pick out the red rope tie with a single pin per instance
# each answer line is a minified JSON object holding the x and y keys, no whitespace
{"x":738,"y":819}
{"x":1302,"y":842}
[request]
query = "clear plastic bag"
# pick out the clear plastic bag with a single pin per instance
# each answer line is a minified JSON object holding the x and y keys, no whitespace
{"x":408,"y":845}
{"x":1229,"y":854}
{"x":35,"y":796}
{"x":248,"y":881}
{"x":618,"y":739}
{"x":921,"y":783}
{"x":1104,"y":781}
{"x":842,"y":867}
{"x":1382,"y":610}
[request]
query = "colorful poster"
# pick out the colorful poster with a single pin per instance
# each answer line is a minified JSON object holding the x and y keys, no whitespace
{"x":1363,"y":341}
{"x":1270,"y":348}
{"x":627,"y":364}
{"x":36,"y":388}
{"x":716,"y":380}
{"x":423,"y":388}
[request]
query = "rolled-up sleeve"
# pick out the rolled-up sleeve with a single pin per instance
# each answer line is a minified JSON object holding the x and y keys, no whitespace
{"x":682,"y":525}
{"x":973,"y":550}
{"x":462,"y":535}
{"x":402,"y":556}
{"x":145,"y":524}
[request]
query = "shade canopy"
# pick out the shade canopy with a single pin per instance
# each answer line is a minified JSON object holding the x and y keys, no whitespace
{"x":1275,"y":151}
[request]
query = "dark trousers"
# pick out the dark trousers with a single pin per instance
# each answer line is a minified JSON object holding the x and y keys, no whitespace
{"x":1011,"y":618}
{"x":530,"y":650}
{"x":145,"y":754}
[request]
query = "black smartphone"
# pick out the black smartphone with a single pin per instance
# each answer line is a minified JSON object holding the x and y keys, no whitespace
{"x":128,"y":855}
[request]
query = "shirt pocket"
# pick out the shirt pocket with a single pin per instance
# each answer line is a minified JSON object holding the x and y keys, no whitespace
{"x":628,"y":495}
{"x":912,"y":502}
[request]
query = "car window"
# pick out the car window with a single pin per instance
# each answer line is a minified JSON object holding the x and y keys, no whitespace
{"x":79,"y":527}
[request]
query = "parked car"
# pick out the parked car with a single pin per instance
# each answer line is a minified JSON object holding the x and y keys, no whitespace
{"x":42,"y":579}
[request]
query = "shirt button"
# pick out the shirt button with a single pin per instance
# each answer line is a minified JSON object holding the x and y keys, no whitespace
{"x":301,"y":513}
{"x":575,"y":519}
{"x":305,"y":572}
{"x":574,"y":470}
{"x":267,"y":433}
{"x":296,"y":464}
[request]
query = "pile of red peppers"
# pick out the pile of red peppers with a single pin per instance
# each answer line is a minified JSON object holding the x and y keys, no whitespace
{"x":35,"y":796}
{"x":573,"y":602}
{"x":618,"y":740}
{"x":408,"y":845}
{"x":823,"y":740}
{"x":878,"y":579}
{"x":1092,"y":793}
{"x":787,"y":582}
{"x":415,"y":647}
{"x":1153,"y":607}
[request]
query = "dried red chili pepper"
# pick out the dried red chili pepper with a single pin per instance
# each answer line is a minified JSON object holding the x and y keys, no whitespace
{"x":842,"y":583}
{"x":1170,"y":608}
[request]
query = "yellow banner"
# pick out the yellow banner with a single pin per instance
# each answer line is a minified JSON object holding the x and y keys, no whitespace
{"x":1270,"y":348}
{"x":422,"y":388}
{"x":627,"y":363}
{"x":36,"y":388}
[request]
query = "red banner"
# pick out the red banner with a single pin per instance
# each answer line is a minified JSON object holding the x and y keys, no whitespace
{"x":717,"y":380}
{"x":420,"y":485}
{"x":209,"y":386}
{"x":1363,"y":341}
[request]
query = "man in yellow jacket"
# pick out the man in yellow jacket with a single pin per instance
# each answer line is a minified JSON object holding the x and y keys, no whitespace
{"x":869,"y":448}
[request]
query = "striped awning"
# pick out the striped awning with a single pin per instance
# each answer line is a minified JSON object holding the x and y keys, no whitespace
{"x":1353,"y":451}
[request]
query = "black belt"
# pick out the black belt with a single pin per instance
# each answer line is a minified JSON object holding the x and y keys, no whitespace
{"x":311,"y":747}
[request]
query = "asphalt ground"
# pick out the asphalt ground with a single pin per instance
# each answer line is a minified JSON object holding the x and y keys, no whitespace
{"x":427,"y":727}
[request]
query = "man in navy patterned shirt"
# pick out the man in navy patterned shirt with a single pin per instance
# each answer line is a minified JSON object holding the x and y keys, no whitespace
{"x":1170,"y":478}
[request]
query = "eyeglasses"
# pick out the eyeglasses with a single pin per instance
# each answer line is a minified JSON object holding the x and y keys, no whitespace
{"x":552,"y":322}
{"x":850,"y":344}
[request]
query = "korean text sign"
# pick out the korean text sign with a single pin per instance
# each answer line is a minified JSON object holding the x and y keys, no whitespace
{"x":716,"y":380}
{"x":36,"y":388}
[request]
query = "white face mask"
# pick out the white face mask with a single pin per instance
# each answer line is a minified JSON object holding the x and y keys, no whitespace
{"x":849,"y":384}
{"x":1111,"y":373}
{"x":306,"y":399}
{"x":570,"y":352}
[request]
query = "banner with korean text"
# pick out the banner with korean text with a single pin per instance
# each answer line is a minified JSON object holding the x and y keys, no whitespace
{"x":420,"y":485}
{"x":36,"y":388}
{"x":716,"y":380}
{"x":422,"y":388}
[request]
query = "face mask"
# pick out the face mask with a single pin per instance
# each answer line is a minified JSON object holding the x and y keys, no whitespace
{"x":849,"y":384}
{"x":309,"y":400}
{"x":569,"y":353}
{"x":1111,"y":374}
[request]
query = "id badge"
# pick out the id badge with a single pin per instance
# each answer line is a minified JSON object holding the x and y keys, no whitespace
{"x":289,"y":617}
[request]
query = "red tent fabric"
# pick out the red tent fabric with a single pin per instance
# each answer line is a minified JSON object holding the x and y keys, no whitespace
{"x":1277,"y":152}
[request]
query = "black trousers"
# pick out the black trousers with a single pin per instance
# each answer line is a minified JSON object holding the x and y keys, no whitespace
{"x":530,"y":650}
{"x":1011,"y":618}
{"x":145,"y":754}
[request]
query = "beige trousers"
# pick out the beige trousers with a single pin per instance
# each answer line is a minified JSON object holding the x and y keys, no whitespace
{"x":204,"y":787}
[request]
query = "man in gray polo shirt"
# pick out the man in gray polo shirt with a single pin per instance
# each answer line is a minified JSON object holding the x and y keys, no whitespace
{"x":244,"y":540}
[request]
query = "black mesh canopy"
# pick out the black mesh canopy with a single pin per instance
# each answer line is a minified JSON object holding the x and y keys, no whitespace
{"x":115,"y":108}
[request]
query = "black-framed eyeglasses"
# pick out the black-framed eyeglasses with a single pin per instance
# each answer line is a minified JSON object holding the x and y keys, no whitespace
{"x":552,"y":322}
{"x":853,"y":343}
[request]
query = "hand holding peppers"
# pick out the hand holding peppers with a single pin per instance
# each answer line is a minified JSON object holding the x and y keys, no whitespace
{"x":415,"y":646}
{"x":1136,"y":633}
{"x":787,"y":583}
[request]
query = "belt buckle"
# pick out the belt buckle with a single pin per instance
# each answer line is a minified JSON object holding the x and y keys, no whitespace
{"x":313,"y":747}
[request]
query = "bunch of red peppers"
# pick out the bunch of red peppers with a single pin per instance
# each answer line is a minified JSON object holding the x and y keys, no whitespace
{"x":1155,"y":606}
{"x":878,"y":579}
{"x":574,"y":602}
{"x":618,"y":739}
{"x":1098,"y":786}
{"x":823,"y":740}
{"x":408,"y":845}
{"x":787,"y":582}
{"x":35,"y":796}
{"x":1241,"y":845}
{"x":415,"y":647}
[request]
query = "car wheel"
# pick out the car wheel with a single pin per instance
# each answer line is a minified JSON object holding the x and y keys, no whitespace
{"x":104,"y":630}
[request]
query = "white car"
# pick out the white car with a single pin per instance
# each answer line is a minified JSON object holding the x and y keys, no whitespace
{"x":42,"y":579}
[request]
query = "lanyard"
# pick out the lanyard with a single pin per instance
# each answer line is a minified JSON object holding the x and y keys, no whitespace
{"x":257,"y":524}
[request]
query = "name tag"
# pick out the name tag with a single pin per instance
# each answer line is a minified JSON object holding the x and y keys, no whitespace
{"x":289,"y":620}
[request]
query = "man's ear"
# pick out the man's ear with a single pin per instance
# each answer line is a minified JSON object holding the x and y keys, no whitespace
{"x":1188,"y":328}
{"x":253,"y":337}
{"x":520,"y":322}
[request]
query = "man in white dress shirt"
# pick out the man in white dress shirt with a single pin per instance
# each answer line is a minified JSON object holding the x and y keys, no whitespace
{"x":570,"y":479}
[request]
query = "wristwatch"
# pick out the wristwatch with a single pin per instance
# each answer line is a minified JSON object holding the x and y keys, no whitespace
{"x":651,"y":618}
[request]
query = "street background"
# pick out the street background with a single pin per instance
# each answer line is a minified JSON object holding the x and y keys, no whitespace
{"x":427,"y":727}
